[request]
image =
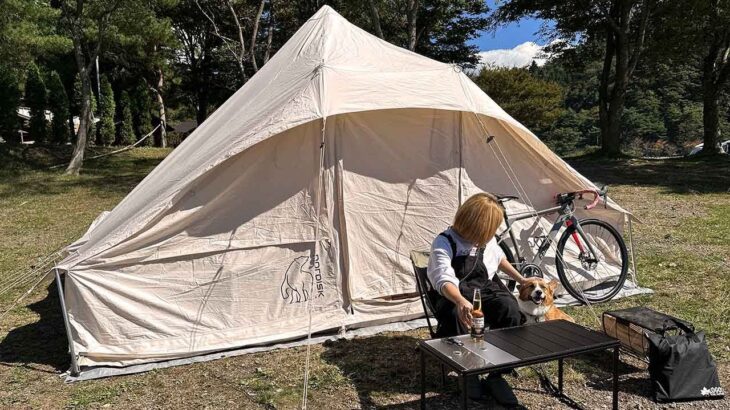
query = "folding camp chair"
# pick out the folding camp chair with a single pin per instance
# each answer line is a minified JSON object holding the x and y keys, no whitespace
{"x":425,"y":290}
{"x":428,"y":294}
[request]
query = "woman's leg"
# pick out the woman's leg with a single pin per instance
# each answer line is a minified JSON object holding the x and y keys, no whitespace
{"x":500,"y":310}
{"x":448,"y":319}
{"x":500,"y":307}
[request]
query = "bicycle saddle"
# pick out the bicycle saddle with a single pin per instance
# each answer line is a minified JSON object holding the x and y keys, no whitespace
{"x":505,"y":198}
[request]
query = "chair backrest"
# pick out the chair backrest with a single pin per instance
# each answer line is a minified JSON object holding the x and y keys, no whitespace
{"x":427,"y":292}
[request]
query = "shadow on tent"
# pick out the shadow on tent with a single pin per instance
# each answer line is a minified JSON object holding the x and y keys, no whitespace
{"x":40,"y":344}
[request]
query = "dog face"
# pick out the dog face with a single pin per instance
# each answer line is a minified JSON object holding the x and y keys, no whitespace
{"x":538,"y":291}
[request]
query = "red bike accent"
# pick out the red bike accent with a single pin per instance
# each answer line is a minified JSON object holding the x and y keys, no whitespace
{"x":575,"y":237}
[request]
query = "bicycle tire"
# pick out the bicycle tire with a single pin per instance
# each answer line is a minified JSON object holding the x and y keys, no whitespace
{"x":578,"y":295}
{"x":511,"y":259}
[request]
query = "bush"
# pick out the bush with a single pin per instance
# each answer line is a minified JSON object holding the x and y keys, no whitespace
{"x":106,"y":130}
{"x":9,"y":102}
{"x":35,"y":98}
{"x":126,"y":131}
{"x":58,"y":103}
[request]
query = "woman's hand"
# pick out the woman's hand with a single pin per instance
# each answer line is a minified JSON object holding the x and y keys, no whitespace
{"x":464,"y":309}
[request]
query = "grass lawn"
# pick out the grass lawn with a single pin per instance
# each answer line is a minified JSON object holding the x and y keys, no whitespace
{"x":683,"y":253}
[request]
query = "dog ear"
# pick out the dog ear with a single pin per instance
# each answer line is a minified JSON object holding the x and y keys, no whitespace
{"x":553,"y":284}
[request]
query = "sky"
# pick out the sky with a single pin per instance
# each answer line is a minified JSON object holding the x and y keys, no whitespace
{"x":510,"y":36}
{"x":513,"y":45}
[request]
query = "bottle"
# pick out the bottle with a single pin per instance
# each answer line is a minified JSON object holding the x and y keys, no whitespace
{"x":477,"y":321}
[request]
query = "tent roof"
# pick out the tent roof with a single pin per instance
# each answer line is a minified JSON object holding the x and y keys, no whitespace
{"x":328,"y":67}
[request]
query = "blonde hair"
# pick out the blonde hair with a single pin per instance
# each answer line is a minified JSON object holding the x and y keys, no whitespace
{"x":478,"y":218}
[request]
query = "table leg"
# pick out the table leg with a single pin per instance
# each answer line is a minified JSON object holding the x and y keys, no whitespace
{"x":462,"y":383}
{"x":423,"y":381}
{"x":615,"y":378}
{"x":560,"y":376}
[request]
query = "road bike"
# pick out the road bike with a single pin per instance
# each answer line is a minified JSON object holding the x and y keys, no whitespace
{"x":590,"y":257}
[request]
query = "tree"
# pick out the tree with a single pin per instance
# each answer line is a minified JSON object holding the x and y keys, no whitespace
{"x":621,"y":26}
{"x":715,"y":29}
{"x":76,"y":104}
{"x":228,"y":19}
{"x":59,"y":106}
{"x":106,"y":131}
{"x":35,"y":99}
{"x":141,"y":118}
{"x":440,"y":29}
{"x":194,"y":60}
{"x":126,"y":130}
{"x":27,"y":32}
{"x":90,"y":24}
{"x":535,"y":103}
{"x":9,"y":103}
{"x":697,"y":35}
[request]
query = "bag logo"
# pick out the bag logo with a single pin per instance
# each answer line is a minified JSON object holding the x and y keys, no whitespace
{"x":300,"y":277}
{"x":712,"y":391}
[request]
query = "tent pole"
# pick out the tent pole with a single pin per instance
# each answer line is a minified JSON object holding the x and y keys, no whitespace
{"x":633,"y":261}
{"x":74,"y":363}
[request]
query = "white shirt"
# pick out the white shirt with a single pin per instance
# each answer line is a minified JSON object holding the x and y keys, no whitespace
{"x":440,"y":271}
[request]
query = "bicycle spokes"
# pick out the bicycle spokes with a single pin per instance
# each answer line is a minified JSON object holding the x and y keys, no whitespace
{"x":593,"y":261}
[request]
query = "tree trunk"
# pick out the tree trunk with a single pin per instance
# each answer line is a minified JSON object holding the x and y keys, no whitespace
{"x":618,"y":45}
{"x":604,"y":118}
{"x":710,"y":117}
{"x":375,"y":17}
{"x":412,"y":17}
{"x":161,"y":138}
{"x":255,"y":34}
{"x":77,"y":158}
{"x":715,"y":71}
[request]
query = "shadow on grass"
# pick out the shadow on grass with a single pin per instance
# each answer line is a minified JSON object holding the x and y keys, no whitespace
{"x":681,"y":175}
{"x":597,"y":368}
{"x":41,"y":343}
{"x":110,"y":175}
{"x":388,"y":365}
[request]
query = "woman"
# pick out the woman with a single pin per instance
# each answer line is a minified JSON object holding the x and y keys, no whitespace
{"x":466,"y":257}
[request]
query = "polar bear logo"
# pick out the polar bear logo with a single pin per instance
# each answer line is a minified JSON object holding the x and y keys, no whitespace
{"x":297,"y":281}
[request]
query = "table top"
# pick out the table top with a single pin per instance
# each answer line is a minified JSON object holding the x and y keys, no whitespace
{"x":518,"y":346}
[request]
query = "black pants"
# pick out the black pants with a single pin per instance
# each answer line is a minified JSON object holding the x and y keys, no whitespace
{"x":498,"y":304}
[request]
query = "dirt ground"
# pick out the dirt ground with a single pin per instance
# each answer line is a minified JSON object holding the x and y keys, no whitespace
{"x":683,"y":253}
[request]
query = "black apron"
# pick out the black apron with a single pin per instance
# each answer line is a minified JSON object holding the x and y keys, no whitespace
{"x":498,"y":304}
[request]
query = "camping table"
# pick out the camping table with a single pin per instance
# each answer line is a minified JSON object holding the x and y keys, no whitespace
{"x":513,"y":347}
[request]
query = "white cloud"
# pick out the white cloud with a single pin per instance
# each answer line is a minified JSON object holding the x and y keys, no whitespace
{"x":521,"y":56}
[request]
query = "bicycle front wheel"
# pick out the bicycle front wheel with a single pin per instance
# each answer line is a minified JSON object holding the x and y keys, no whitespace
{"x":592,"y":276}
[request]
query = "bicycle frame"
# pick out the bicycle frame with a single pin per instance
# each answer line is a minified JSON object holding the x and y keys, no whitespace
{"x":565,"y":217}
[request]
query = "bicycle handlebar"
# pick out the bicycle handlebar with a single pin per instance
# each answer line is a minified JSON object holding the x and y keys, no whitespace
{"x":596,"y":197}
{"x":571,"y":195}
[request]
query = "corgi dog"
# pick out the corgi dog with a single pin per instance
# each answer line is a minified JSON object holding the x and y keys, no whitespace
{"x":536,"y":301}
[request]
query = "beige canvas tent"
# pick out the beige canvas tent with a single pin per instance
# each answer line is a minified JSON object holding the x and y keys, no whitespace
{"x":302,"y":194}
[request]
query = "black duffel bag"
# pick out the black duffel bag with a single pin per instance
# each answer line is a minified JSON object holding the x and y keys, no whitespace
{"x":681,"y":366}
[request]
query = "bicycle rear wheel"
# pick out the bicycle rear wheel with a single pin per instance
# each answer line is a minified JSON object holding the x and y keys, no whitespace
{"x":592,"y":278}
